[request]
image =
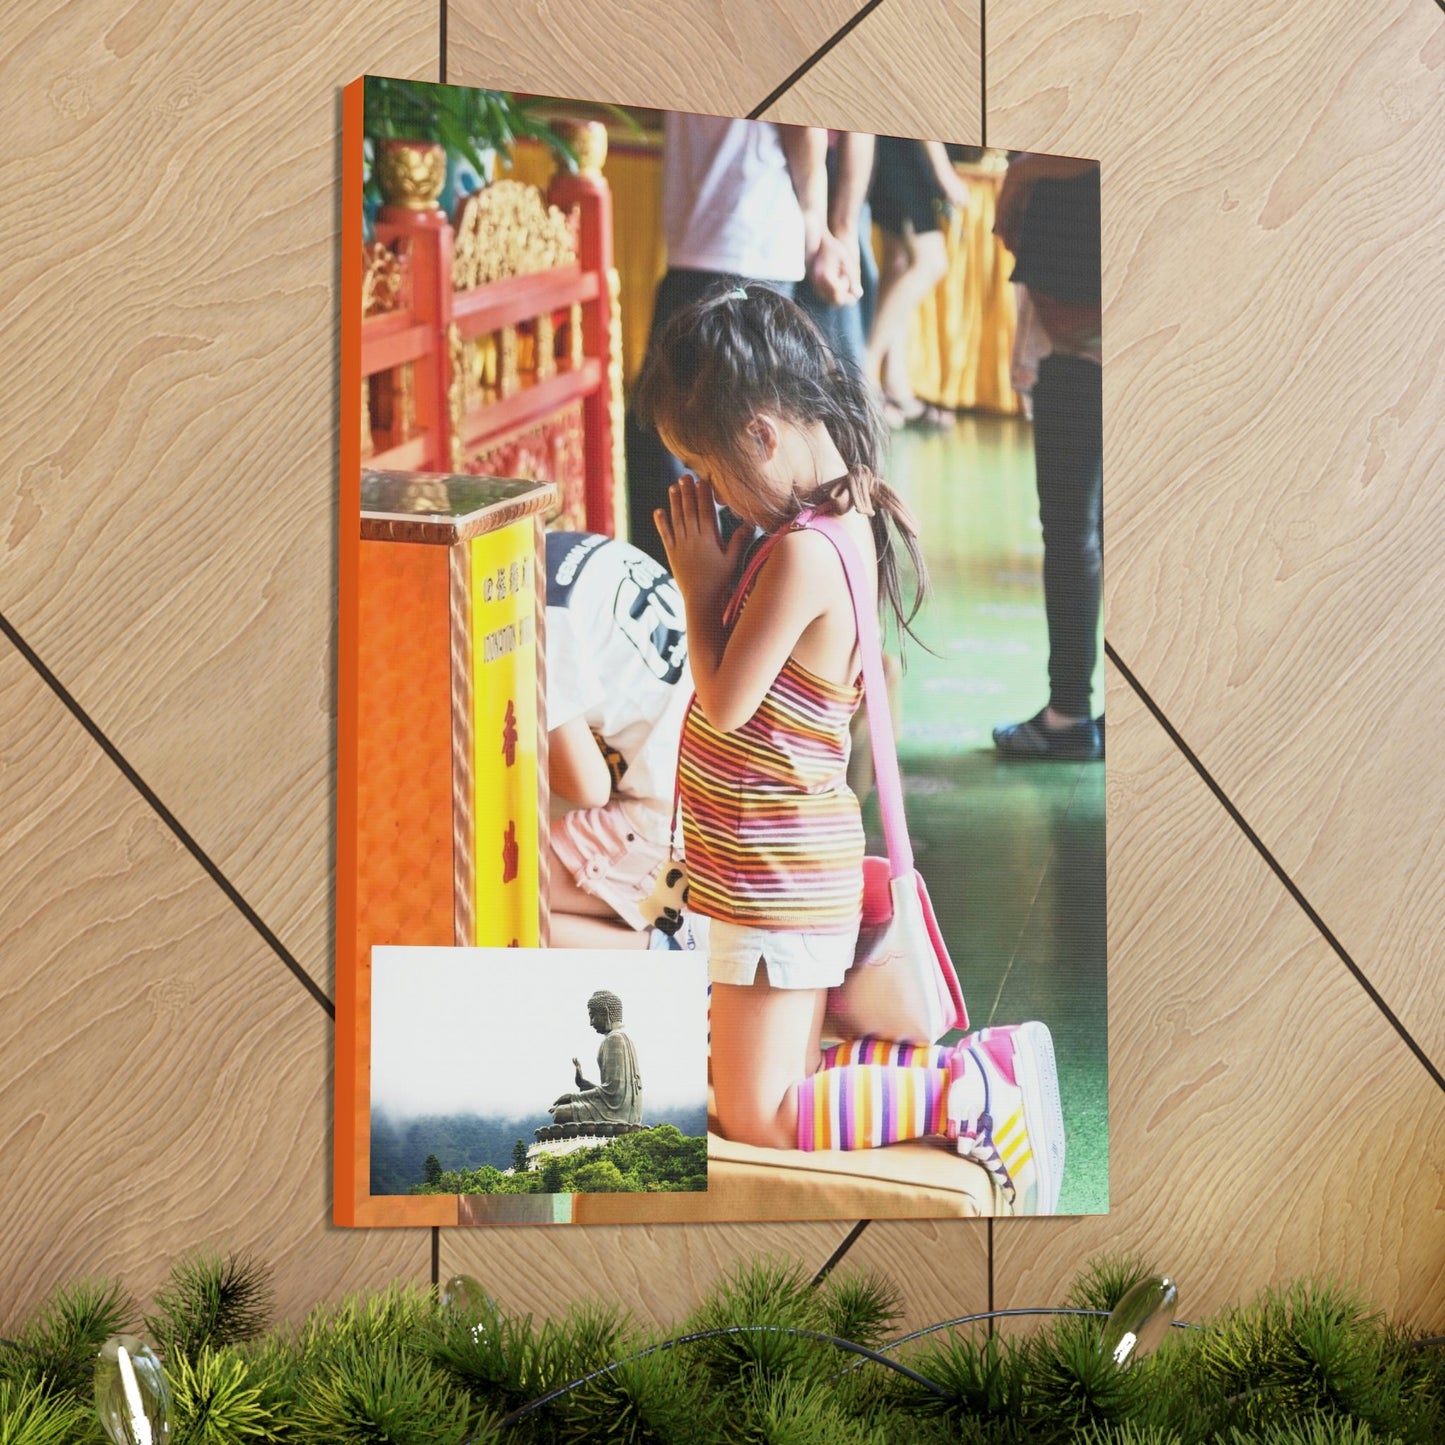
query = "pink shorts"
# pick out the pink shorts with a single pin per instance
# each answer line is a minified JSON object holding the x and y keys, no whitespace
{"x":608,"y":858}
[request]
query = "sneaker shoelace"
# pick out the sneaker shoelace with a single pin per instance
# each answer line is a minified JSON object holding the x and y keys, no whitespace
{"x":979,"y":1133}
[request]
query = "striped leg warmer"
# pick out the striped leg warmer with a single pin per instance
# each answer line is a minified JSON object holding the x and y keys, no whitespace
{"x":863,"y":1106}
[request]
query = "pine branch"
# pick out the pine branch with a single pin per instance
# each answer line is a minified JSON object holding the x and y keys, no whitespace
{"x":210,"y":1301}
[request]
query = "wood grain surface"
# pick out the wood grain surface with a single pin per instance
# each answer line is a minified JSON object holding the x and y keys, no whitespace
{"x":659,"y":1272}
{"x":166,"y":1085}
{"x":718,"y":57}
{"x":1274,"y":254}
{"x":1264,"y":1120}
{"x":168,"y":503}
{"x":1274,"y":380}
{"x":906,"y":69}
{"x":940,"y":1267}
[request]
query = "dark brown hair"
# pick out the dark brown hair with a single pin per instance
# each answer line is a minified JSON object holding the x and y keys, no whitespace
{"x":719,"y":362}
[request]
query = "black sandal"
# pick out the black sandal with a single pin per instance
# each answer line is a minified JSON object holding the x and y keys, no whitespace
{"x":1078,"y":743}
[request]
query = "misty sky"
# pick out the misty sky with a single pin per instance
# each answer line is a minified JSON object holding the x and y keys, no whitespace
{"x":492,"y":1031}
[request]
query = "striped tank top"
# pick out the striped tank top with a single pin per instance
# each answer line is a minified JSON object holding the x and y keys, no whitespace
{"x":772,"y":833}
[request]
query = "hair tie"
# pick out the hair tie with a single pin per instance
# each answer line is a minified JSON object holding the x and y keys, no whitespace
{"x":738,"y":293}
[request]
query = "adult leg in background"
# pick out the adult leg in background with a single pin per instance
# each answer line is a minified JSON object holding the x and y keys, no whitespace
{"x":1069,"y":461}
{"x":913,"y":264}
{"x":868,"y":267}
{"x":651,"y":468}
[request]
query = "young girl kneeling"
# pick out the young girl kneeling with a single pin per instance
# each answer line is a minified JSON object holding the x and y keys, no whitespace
{"x":745,"y":392}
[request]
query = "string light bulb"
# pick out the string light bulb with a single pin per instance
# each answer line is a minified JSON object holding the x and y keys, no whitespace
{"x":1140,"y":1320}
{"x":131,"y":1394}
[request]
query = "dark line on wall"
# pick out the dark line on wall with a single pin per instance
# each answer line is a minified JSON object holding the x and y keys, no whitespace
{"x":166,"y":816}
{"x":991,"y":1324}
{"x":436,"y":1255}
{"x":983,"y":81}
{"x":814,"y":58}
{"x":442,"y":40}
{"x":1291,"y":887}
{"x":834,"y":1259}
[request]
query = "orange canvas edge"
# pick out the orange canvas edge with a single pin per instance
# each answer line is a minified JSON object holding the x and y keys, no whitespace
{"x":400,"y":1211}
{"x":350,"y":1187}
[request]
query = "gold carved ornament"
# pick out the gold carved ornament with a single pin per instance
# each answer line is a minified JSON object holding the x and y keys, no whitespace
{"x":410,"y":174}
{"x":574,"y":336}
{"x":544,"y":359}
{"x":588,"y":141}
{"x":507,"y":229}
{"x":381,"y":281}
{"x":456,"y":394}
{"x":616,"y":406}
{"x":508,"y":363}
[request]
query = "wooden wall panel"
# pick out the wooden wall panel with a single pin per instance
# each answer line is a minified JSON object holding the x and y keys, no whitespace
{"x":1273,"y":254}
{"x":167,"y":1083}
{"x":910,"y":67}
{"x":1265,"y":1121}
{"x":1274,"y":251}
{"x":659,"y":1272}
{"x":940,"y":1266}
{"x":168,"y":503}
{"x":706,"y":56}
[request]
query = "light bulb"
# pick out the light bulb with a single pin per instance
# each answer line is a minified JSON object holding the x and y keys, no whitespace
{"x":467,"y":1303}
{"x":1140,"y":1320}
{"x":131,"y":1393}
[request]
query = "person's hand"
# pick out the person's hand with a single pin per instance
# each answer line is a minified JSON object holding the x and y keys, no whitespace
{"x":852,"y":259}
{"x":700,"y":563}
{"x":834,"y":271}
{"x":955,"y":188}
{"x":1071,"y":327}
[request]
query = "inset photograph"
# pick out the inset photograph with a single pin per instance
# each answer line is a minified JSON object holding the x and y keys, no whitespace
{"x":531,"y":1072}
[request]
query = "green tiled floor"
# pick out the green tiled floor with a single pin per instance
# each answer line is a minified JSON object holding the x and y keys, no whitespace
{"x":1013,"y":852}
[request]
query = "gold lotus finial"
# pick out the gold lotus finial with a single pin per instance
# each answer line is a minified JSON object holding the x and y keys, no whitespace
{"x":588,"y":139}
{"x":411,"y":175}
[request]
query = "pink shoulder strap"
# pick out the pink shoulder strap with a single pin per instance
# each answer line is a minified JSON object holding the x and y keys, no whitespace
{"x":875,"y":697}
{"x":755,"y":562}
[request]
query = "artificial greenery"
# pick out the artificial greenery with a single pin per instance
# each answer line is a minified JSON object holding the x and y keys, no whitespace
{"x":210,"y":1301}
{"x":1308,"y":1364}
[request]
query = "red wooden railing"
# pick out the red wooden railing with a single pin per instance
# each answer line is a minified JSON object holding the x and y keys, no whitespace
{"x":518,"y":373}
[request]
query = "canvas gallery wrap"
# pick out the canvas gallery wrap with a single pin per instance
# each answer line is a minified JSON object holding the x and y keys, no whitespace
{"x":721,"y":749}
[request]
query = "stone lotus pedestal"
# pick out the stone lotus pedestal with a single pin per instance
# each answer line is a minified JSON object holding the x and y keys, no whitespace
{"x":555,"y":1140}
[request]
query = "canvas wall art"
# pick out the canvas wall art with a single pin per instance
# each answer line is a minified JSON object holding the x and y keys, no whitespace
{"x":721,"y":755}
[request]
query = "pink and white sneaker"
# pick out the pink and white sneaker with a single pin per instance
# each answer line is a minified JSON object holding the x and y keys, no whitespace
{"x":1003,"y":1111}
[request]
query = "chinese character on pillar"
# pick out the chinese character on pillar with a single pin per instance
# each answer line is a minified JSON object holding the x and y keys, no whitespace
{"x":509,"y":734}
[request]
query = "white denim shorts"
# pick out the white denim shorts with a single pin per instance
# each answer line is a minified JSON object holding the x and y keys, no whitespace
{"x":609,"y":854}
{"x":793,"y":960}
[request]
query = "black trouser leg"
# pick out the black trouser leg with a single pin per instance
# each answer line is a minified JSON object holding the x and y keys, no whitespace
{"x":1069,"y":461}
